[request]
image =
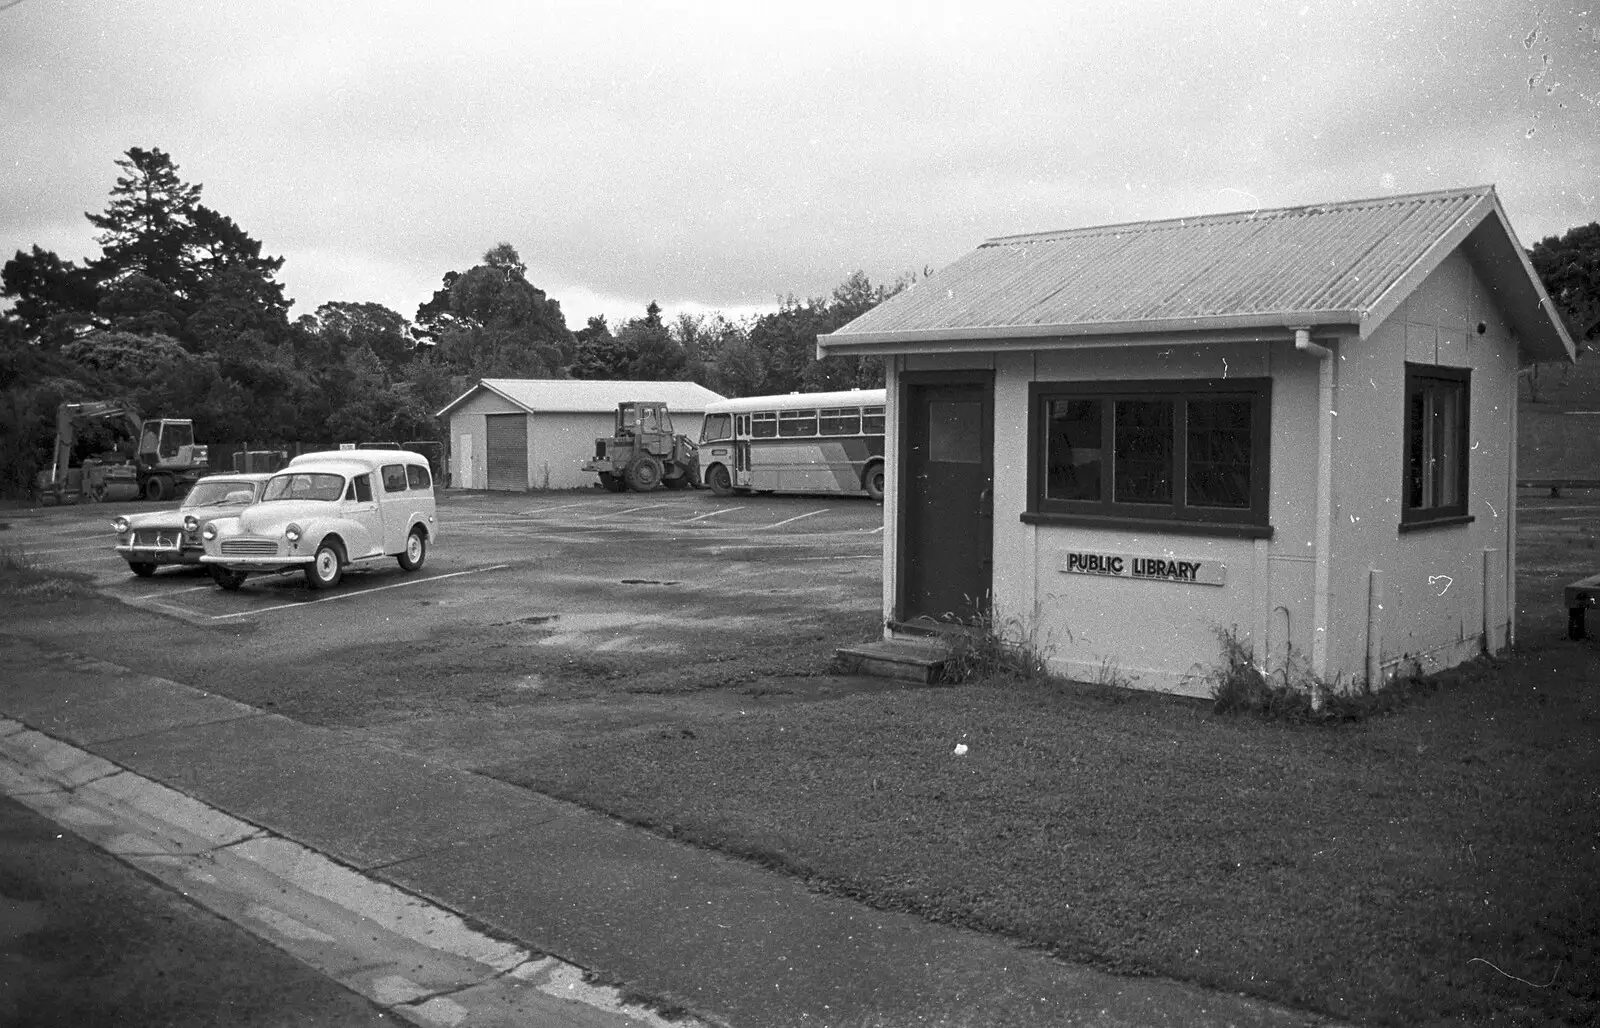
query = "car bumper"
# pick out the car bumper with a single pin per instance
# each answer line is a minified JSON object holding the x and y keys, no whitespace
{"x":280,"y":563}
{"x":146,"y":553}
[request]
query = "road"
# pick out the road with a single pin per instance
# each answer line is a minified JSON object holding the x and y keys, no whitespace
{"x":536,"y":616}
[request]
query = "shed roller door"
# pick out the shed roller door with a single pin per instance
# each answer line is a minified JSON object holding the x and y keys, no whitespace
{"x":507,"y":459}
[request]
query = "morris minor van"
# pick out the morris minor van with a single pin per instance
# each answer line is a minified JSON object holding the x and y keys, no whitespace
{"x":326,"y":512}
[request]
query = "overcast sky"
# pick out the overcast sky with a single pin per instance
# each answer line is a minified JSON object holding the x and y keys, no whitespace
{"x":714,"y":156}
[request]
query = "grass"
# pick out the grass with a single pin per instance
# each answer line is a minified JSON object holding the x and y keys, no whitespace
{"x":22,"y":579}
{"x":1435,"y":865}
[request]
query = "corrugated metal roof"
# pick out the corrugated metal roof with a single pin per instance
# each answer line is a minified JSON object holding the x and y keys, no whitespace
{"x":587,"y":396}
{"x":1323,"y":264}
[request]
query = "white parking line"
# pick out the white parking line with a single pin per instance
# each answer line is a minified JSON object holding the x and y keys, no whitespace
{"x":545,"y":510}
{"x":851,"y":556}
{"x":710,"y":514}
{"x":174,"y":592}
{"x":797,"y":517}
{"x":346,"y":596}
{"x":629,"y":510}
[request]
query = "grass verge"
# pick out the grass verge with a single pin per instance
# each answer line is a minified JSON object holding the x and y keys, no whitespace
{"x":1435,"y":865}
{"x":21,"y":579}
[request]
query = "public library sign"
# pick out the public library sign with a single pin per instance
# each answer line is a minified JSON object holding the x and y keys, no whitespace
{"x":1160,"y":569}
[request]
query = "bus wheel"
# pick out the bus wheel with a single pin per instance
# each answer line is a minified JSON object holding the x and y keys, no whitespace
{"x":719,"y":480}
{"x":873,"y":482}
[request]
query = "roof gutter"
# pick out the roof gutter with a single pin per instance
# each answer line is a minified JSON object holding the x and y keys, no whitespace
{"x":904,"y":340}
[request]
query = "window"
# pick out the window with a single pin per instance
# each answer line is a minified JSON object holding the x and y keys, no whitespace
{"x":1194,"y":452}
{"x":764,"y":426}
{"x":394,"y":478}
{"x":363,"y":487}
{"x":716,"y":427}
{"x":841,"y":421}
{"x":1435,"y":485}
{"x":872,"y":420}
{"x":793,"y":423}
{"x":418,"y":476}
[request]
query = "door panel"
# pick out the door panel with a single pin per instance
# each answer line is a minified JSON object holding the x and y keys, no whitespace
{"x":947,"y":556}
{"x":508,"y":451}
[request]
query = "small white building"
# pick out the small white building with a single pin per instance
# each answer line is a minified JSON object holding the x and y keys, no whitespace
{"x":518,"y":434}
{"x":1294,"y":426}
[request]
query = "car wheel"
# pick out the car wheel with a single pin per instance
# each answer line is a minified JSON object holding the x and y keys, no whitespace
{"x":874,"y":482}
{"x":720,"y":481}
{"x":416,"y":551}
{"x":612,"y":482}
{"x":229,"y":580}
{"x":327,"y":567}
{"x":643,"y":474}
{"x":142,"y":569}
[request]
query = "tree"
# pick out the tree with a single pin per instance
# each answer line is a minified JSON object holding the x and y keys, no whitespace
{"x":1569,"y":266}
{"x":51,"y":296}
{"x":490,"y":321}
{"x":146,"y":226}
{"x":657,"y":357}
{"x":597,"y":354}
{"x":197,"y":273}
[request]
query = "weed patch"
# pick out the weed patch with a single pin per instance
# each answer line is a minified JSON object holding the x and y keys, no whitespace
{"x":994,"y":646}
{"x":1293,"y":693}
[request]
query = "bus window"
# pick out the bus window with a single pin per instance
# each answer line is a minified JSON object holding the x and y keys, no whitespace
{"x":765,"y":425}
{"x":716,"y":428}
{"x":843,"y":421}
{"x":872,"y":420}
{"x":793,"y":423}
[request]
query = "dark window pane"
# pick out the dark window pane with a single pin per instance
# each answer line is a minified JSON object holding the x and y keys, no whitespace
{"x":793,"y":423}
{"x":1143,"y":465}
{"x":843,"y":421}
{"x":1074,"y":450}
{"x":1218,"y":474}
{"x":394,"y":478}
{"x":955,"y":432}
{"x":872,"y":420}
{"x":1416,"y":420}
{"x":1435,"y":412}
{"x":417,"y":475}
{"x":765,"y":426}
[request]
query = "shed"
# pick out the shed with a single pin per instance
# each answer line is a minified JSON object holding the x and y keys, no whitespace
{"x":518,"y":434}
{"x":1294,"y":428}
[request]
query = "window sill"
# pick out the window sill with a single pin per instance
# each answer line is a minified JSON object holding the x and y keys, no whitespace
{"x":1447,"y":522}
{"x":1165,"y":526}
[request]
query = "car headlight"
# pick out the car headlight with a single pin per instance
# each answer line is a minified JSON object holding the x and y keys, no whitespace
{"x":190,"y":523}
{"x":210,"y":531}
{"x":292,"y":533}
{"x":121,"y":526}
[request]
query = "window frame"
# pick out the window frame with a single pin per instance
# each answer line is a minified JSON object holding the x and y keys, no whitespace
{"x":1418,"y":377}
{"x":1176,"y":516}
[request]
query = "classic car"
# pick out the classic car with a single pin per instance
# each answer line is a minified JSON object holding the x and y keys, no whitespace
{"x":173,"y":536}
{"x":325,"y":512}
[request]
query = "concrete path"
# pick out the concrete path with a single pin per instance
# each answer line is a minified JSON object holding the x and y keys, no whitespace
{"x":520,"y":888}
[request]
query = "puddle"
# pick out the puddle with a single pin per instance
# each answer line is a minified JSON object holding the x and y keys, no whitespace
{"x":647,"y":581}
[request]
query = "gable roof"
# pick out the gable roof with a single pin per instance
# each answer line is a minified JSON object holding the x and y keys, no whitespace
{"x":587,"y":396}
{"x":1343,"y":264}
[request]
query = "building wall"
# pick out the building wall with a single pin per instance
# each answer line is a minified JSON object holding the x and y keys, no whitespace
{"x":467,"y":422}
{"x":1432,"y":592}
{"x":1436,"y":588}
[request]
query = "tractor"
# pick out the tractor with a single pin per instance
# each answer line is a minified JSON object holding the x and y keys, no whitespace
{"x":643,"y":452}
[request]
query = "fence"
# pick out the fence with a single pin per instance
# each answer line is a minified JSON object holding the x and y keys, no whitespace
{"x":254,"y":455}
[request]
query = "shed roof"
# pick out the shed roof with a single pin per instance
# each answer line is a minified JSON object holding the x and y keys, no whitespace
{"x":1340,"y":264}
{"x":587,"y":396}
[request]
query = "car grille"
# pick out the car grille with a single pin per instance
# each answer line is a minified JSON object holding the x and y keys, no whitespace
{"x":156,"y":537}
{"x":249,"y":548}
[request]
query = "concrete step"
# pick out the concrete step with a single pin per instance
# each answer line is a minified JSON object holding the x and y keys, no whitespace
{"x":910,"y":660}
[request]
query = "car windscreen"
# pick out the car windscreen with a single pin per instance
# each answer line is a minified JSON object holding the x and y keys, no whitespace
{"x":304,"y":486}
{"x":208,"y":494}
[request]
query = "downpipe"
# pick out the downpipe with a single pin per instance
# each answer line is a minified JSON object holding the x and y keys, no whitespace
{"x":1322,"y":592}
